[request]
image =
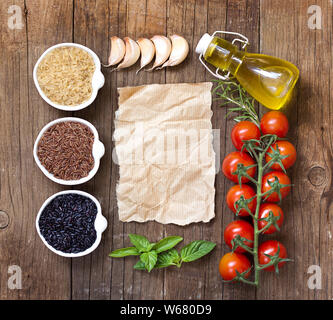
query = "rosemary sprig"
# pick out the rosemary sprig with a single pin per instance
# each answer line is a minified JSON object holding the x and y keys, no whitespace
{"x":232,"y":92}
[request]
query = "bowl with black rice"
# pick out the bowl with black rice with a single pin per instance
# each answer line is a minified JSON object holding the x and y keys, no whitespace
{"x":70,"y":223}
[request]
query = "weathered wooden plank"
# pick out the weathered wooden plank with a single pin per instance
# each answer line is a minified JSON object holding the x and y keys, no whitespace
{"x":325,"y":90}
{"x":307,"y":229}
{"x":14,"y":70}
{"x":144,"y":19}
{"x":91,"y":275}
{"x":217,"y":11}
{"x":242,"y":17}
{"x":117,"y":26}
{"x":23,"y":186}
{"x":190,"y":20}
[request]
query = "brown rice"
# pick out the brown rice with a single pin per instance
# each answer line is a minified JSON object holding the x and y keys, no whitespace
{"x":65,"y":75}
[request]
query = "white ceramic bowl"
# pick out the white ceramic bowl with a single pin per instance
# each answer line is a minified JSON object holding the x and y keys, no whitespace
{"x":97,"y":79}
{"x":98,"y":151}
{"x":100,"y":224}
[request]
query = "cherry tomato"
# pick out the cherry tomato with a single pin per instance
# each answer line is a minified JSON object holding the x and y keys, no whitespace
{"x":286,"y":149}
{"x":231,"y":262}
{"x":282,"y":178}
{"x":241,"y":228}
{"x":234,"y":195}
{"x":244,"y":130}
{"x":270,"y":247}
{"x":274,"y":122}
{"x":264,"y":211}
{"x":231,"y":161}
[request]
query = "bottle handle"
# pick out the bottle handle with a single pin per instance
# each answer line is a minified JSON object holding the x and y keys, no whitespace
{"x":242,"y":39}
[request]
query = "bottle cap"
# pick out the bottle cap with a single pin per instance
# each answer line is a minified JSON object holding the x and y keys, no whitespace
{"x":203,"y":43}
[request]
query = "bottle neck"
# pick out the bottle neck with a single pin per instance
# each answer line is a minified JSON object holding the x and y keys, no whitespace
{"x":235,"y":62}
{"x":224,"y":55}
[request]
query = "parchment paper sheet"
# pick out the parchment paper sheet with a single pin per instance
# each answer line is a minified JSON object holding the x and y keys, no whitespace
{"x":163,"y":142}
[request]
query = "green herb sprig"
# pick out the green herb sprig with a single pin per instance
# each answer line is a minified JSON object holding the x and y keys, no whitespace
{"x":162,"y":254}
{"x":232,"y":92}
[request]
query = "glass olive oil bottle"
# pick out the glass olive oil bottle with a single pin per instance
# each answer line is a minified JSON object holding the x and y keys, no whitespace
{"x":268,"y":79}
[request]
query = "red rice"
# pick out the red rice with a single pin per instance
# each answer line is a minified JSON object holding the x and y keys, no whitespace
{"x":65,"y":150}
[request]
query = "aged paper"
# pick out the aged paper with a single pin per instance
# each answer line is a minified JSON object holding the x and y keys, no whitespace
{"x":163,"y":140}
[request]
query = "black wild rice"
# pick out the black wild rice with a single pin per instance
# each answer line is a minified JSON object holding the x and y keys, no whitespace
{"x":67,"y":223}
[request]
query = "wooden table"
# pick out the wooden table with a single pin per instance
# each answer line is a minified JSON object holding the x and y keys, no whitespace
{"x":278,"y":28}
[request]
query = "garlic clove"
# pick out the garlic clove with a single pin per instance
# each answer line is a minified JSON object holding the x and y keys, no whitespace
{"x":163,"y":49}
{"x":117,"y":51}
{"x":147,"y":49}
{"x":179,"y":51}
{"x":132,"y":53}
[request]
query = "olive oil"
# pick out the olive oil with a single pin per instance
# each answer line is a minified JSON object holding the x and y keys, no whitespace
{"x":268,"y":79}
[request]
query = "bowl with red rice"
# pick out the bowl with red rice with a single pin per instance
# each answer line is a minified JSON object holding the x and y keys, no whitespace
{"x":68,"y":150}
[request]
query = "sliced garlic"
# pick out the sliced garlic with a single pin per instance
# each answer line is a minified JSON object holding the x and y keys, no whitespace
{"x":147,"y":49}
{"x":117,"y":51}
{"x":163,"y":50}
{"x":179,"y":51}
{"x":132,"y":54}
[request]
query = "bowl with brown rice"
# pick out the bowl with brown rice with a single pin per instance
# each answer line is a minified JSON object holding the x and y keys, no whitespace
{"x":68,"y":76}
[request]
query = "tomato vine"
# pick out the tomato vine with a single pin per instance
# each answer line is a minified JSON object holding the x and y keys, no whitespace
{"x":232,"y":92}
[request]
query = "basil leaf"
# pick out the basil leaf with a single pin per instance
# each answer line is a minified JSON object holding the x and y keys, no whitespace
{"x":150,"y":247}
{"x":167,"y":258}
{"x":196,"y":249}
{"x":124,"y":252}
{"x":167,"y":243}
{"x":139,"y":265}
{"x":140,"y":242}
{"x":149,"y":259}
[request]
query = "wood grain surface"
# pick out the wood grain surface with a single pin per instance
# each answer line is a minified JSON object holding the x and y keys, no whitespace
{"x":278,"y":28}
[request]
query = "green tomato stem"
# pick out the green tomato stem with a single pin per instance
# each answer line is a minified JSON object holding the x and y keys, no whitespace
{"x":247,"y":281}
{"x":255,"y":221}
{"x":257,"y":232}
{"x":251,"y":179}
